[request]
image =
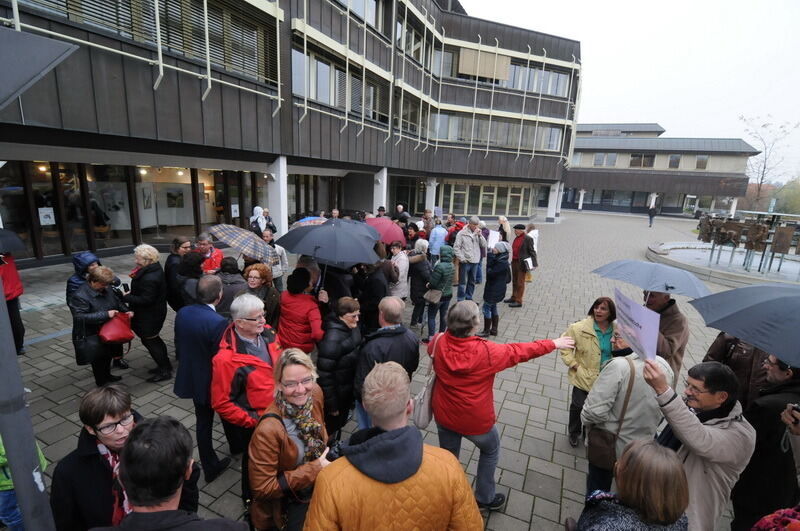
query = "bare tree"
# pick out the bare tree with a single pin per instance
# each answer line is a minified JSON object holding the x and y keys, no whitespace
{"x":768,"y":136}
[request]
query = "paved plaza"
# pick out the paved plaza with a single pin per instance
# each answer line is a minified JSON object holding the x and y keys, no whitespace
{"x":543,"y":477}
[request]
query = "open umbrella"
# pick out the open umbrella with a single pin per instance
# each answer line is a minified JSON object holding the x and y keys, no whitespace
{"x":654,"y":277}
{"x":243,"y":240}
{"x":332,"y":244}
{"x":309,"y":220}
{"x":764,"y":315}
{"x":389,"y":231}
{"x":10,"y":242}
{"x":356,"y":227}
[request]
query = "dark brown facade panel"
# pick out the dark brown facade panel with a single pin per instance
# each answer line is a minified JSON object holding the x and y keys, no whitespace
{"x":191,"y":109}
{"x":139,"y":96}
{"x":213,"y":133}
{"x":109,"y":88}
{"x":231,"y":116}
{"x":40,"y":103}
{"x":75,"y":86}
{"x":168,"y":111}
{"x":249,"y":118}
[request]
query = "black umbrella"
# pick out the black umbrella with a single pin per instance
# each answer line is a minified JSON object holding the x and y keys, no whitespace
{"x":765,"y":315}
{"x":10,"y":242}
{"x":333,"y":244}
{"x":357,"y":227}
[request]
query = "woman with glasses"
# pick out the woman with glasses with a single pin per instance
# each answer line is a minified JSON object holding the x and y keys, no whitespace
{"x":288,"y":448}
{"x":260,"y":283}
{"x":92,"y":305}
{"x":180,"y":246}
{"x":592,"y":351}
{"x":86,"y":490}
{"x":338,"y":356}
{"x":242,"y":385}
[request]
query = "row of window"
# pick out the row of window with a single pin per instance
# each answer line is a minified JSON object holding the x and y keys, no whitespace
{"x":639,"y":160}
{"x":502,"y":133}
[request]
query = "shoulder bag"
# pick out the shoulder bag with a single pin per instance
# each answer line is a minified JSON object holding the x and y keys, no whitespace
{"x":86,"y":347}
{"x":601,"y":448}
{"x":433,"y":296}
{"x":423,"y":408}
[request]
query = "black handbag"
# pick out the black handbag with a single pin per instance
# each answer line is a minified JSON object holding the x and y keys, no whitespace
{"x":601,"y":448}
{"x":87,"y":348}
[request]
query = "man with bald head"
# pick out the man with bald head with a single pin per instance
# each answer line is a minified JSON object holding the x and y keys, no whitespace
{"x":391,"y":342}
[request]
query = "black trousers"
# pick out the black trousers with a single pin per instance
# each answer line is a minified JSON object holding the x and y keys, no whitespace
{"x":17,"y":327}
{"x":205,"y":443}
{"x":158,"y":351}
{"x":239,"y":440}
{"x":575,"y":408}
{"x":598,"y":479}
{"x":101,"y":367}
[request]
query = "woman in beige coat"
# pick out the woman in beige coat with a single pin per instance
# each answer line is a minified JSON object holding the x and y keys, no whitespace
{"x":592,"y":350}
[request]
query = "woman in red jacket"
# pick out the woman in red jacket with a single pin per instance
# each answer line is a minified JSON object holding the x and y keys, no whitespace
{"x":300,"y":324}
{"x":463,"y":402}
{"x":12,"y":288}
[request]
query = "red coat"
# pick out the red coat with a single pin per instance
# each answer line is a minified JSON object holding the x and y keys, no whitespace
{"x":12,"y":285}
{"x":301,"y":322}
{"x":242,"y":385}
{"x":463,"y":400}
{"x":214,"y":261}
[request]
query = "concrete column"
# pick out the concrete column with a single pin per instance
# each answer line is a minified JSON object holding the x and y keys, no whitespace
{"x":713,"y":203}
{"x":733,"y":206}
{"x":560,"y":198}
{"x":380,"y":186}
{"x":580,"y":199}
{"x":552,"y":200}
{"x":652,"y":200}
{"x":430,"y":193}
{"x":278,"y":194}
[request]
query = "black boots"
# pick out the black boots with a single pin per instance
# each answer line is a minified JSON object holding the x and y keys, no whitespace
{"x":493,"y":329}
{"x":486,"y":328}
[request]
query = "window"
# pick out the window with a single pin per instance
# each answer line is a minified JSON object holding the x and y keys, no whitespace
{"x":576,"y":159}
{"x":599,"y":159}
{"x":674,"y":161}
{"x":702,"y":162}
{"x":298,"y":73}
{"x":642,"y":160}
{"x":323,"y":85}
{"x":442,"y":66}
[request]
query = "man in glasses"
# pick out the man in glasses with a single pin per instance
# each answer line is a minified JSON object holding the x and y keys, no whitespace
{"x":604,"y":406}
{"x":86,"y":490}
{"x":707,"y":430}
{"x":769,"y":482}
{"x":242,"y":381}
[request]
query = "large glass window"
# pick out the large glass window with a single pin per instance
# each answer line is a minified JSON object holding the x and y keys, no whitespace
{"x":164,"y":197}
{"x":298,"y":72}
{"x":13,"y":205}
{"x":46,"y":206}
{"x":674,"y":161}
{"x":108,"y":191}
{"x":323,"y":84}
{"x":642,"y":160}
{"x":702,"y":162}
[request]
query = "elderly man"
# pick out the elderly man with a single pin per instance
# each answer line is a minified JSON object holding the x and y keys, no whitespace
{"x":522,"y":249}
{"x":242,"y":382}
{"x":391,"y":342}
{"x":382,"y":468}
{"x":213,"y":256}
{"x":278,"y":261}
{"x":335,"y":213}
{"x":604,"y":406}
{"x":467,"y":248}
{"x":154,"y":467}
{"x":768,"y":483}
{"x":198,"y":328}
{"x":707,"y":430}
{"x":673,"y":330}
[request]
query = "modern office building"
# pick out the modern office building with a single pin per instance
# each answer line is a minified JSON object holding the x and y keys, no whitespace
{"x":173,"y":115}
{"x":628,"y":167}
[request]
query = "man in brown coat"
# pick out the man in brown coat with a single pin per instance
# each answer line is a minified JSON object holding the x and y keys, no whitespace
{"x":673,"y":330}
{"x":746,"y":361}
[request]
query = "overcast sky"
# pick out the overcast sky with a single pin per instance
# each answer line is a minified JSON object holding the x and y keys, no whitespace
{"x":692,"y":66}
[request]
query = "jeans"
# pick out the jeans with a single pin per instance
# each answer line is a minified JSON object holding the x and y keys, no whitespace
{"x":489,"y":446}
{"x":10,"y":513}
{"x":466,"y":280}
{"x":278,"y":283}
{"x":490,"y":310}
{"x":362,"y":417}
{"x":417,"y":313}
{"x":598,"y":479}
{"x":441,"y":309}
{"x":479,"y":272}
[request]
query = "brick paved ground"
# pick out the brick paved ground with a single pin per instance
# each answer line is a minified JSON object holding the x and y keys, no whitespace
{"x":542,"y":475}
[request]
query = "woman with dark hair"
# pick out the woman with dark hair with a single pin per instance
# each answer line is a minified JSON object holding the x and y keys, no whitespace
{"x":233,"y":283}
{"x":180,"y":246}
{"x":190,"y":271}
{"x":419,"y":274}
{"x":301,"y":322}
{"x":258,"y":278}
{"x":592,"y":351}
{"x":337,"y":358}
{"x":652,"y":493}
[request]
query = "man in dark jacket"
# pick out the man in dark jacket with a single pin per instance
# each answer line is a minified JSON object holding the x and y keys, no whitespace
{"x":198,"y":328}
{"x":522,"y":253}
{"x":391,"y":342}
{"x":86,"y":490}
{"x":155,"y":463}
{"x":769,"y":482}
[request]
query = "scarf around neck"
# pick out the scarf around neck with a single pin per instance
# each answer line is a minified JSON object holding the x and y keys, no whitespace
{"x":310,"y":429}
{"x":121,"y":506}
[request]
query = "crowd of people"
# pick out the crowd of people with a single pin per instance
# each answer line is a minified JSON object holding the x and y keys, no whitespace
{"x":286,"y":357}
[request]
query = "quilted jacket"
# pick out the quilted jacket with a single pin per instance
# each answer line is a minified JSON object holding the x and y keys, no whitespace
{"x":391,"y":480}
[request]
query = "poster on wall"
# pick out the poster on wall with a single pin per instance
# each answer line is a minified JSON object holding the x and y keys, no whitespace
{"x":174,"y":198}
{"x":47,"y":216}
{"x":234,"y":210}
{"x":147,"y":197}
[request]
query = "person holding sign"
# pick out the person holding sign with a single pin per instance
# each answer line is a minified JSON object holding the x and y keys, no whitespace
{"x":592,"y":350}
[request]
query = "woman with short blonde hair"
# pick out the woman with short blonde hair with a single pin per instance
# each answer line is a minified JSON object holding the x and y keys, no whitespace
{"x":652,"y":490}
{"x":288,"y":447}
{"x":147,"y":253}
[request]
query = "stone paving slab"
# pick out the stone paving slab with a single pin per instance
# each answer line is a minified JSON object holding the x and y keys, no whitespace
{"x":542,"y":475}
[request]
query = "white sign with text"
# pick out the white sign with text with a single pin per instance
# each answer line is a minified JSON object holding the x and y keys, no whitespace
{"x":638,"y":325}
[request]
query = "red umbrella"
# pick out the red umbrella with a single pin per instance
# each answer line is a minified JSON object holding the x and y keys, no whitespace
{"x":387,"y":228}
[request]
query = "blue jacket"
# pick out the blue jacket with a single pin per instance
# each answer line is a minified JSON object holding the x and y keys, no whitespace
{"x":198,"y":329}
{"x":436,"y":239}
{"x":80,"y":262}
